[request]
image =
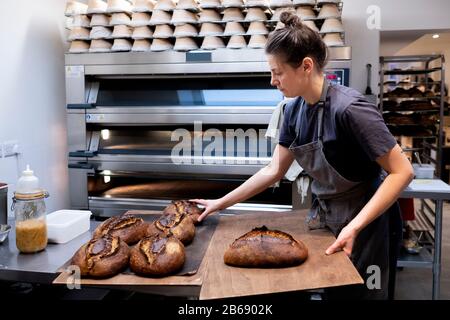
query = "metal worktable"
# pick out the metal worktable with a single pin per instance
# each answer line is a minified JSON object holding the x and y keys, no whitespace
{"x":314,"y":274}
{"x":42,"y":268}
{"x":434,"y":190}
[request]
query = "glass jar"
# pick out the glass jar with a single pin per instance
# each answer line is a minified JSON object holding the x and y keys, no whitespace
{"x":31,"y":224}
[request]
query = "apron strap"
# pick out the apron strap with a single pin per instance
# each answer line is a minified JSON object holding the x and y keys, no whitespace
{"x":320,"y":121}
{"x":323,"y":102}
{"x":298,"y":125}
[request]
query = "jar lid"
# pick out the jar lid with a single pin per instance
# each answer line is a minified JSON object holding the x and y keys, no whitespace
{"x":39,"y":194}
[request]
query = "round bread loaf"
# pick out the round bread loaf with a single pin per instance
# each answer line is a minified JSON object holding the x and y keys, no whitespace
{"x":157,"y":255}
{"x":102,"y":257}
{"x":128,"y":227}
{"x":180,"y":226}
{"x":180,"y":207}
{"x":266,"y":248}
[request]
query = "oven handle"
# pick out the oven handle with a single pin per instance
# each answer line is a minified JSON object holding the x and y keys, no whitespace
{"x":72,"y":106}
{"x":85,"y":166}
{"x":82,"y":154}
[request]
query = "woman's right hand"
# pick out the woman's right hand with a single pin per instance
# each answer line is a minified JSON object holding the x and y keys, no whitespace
{"x":211,"y":206}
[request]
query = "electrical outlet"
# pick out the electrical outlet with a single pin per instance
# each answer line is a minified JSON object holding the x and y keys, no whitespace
{"x":9,"y":148}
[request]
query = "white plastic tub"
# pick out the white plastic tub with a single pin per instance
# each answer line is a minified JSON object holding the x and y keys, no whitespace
{"x":424,"y":171}
{"x":65,"y":225}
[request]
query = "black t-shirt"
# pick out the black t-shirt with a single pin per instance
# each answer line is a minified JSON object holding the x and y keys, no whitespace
{"x":354,"y":132}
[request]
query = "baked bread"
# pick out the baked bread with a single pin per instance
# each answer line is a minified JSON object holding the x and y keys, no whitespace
{"x":415,"y":92}
{"x":102,"y":257}
{"x":429,"y":93}
{"x":262,"y":247}
{"x":157,"y":255}
{"x":129,"y":228}
{"x":180,"y":226}
{"x":397,"y":93}
{"x":189,"y":208}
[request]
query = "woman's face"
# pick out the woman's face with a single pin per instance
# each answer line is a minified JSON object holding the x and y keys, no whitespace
{"x":289,"y":80}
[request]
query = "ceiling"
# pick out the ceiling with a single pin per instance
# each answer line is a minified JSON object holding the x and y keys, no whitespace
{"x":419,"y":41}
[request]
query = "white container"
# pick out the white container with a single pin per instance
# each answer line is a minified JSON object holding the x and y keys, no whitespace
{"x":65,"y":225}
{"x":424,"y":171}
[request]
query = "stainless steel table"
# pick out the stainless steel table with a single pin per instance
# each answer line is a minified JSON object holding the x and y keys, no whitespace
{"x":42,"y":267}
{"x":434,"y":190}
{"x":39,"y":267}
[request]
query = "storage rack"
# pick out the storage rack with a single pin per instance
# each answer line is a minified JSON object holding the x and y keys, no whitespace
{"x":428,"y":215}
{"x":437,"y":191}
{"x":426,"y":127}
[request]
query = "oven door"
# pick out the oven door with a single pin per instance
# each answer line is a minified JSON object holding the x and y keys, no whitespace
{"x":221,"y":99}
{"x":137,"y":167}
{"x":112,"y":192}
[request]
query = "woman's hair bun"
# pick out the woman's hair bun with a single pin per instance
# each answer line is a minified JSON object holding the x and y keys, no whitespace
{"x":290,"y":19}
{"x":295,"y":41}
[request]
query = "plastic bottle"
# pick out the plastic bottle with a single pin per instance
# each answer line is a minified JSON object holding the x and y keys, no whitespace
{"x":30,"y":212}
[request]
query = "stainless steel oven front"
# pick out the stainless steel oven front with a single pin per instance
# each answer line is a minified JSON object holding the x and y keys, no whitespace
{"x":144,"y":129}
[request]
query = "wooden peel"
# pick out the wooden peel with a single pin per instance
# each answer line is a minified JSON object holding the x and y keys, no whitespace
{"x":318,"y":271}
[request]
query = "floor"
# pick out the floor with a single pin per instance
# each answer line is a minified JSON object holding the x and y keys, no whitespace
{"x":415,"y":283}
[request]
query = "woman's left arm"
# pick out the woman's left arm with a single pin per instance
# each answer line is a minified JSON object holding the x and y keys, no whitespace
{"x":400,"y":174}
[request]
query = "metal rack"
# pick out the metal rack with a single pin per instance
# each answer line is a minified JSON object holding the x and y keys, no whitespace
{"x":428,"y":221}
{"x":430,"y":257}
{"x":422,"y":118}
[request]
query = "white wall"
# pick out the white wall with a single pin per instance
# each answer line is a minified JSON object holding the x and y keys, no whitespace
{"x":396,"y":15}
{"x":32,"y":95}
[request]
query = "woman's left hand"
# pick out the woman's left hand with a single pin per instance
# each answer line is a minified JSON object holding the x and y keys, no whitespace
{"x":344,"y":241}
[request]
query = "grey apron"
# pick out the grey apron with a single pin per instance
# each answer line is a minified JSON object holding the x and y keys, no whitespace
{"x":337,"y":201}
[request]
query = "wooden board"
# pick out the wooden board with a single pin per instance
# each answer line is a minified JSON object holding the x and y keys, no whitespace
{"x":130,"y":280}
{"x":318,"y":271}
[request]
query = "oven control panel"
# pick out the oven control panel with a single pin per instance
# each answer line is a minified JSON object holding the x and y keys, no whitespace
{"x":338,"y":76}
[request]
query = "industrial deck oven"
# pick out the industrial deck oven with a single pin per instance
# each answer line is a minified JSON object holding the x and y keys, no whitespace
{"x":147,"y":128}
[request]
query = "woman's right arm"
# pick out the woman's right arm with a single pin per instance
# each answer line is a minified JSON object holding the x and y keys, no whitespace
{"x":260,"y":181}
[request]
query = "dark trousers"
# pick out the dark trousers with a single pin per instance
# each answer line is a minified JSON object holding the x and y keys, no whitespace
{"x":395,"y":242}
{"x":378,"y":244}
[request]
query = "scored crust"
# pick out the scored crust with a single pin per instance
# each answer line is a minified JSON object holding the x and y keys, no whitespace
{"x":180,"y":226}
{"x":180,"y":207}
{"x":157,"y":255}
{"x":128,"y":227}
{"x":262,"y":247}
{"x":102,"y":257}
